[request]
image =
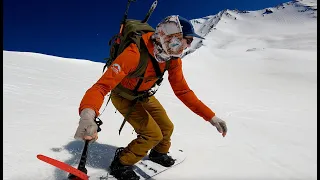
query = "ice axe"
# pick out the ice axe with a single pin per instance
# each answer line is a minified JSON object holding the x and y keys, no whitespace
{"x":84,"y":155}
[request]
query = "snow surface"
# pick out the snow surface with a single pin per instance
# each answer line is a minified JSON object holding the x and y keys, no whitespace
{"x":256,"y":71}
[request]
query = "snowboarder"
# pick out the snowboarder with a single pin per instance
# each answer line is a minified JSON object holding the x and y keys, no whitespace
{"x":145,"y":113}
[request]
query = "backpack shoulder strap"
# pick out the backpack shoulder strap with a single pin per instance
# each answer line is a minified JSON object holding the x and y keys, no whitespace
{"x":167,"y":65}
{"x":156,"y":67}
{"x":144,"y":57}
{"x":143,"y":62}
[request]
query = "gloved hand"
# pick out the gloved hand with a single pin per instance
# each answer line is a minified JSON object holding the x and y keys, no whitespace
{"x":87,"y":129}
{"x":220,"y":125}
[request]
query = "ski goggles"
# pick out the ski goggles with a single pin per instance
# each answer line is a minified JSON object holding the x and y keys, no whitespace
{"x":169,"y":26}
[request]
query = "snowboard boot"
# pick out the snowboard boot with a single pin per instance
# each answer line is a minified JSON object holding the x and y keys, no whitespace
{"x":161,"y":158}
{"x":120,"y":171}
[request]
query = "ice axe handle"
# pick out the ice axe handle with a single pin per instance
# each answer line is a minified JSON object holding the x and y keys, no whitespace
{"x":83,"y":160}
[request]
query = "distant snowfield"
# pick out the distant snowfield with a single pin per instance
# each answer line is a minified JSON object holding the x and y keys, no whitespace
{"x":258,"y":73}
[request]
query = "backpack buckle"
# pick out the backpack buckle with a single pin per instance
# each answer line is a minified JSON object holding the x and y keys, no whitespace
{"x":159,"y":81}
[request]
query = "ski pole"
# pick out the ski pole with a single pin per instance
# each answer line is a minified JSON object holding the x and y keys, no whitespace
{"x":125,"y":16}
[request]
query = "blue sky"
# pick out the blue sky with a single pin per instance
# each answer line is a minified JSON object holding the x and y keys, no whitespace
{"x":81,"y":29}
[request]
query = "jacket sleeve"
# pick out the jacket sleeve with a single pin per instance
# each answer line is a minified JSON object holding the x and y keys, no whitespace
{"x":125,"y":63}
{"x":184,"y":93}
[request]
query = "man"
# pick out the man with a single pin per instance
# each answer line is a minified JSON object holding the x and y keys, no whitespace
{"x":146,"y":115}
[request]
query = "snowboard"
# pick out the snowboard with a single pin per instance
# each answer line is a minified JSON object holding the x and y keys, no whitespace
{"x":145,"y":168}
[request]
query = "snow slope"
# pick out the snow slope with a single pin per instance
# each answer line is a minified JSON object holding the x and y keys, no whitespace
{"x":291,"y":17}
{"x":257,"y":72}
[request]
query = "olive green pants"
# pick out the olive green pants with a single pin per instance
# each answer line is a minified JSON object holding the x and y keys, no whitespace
{"x":151,"y":123}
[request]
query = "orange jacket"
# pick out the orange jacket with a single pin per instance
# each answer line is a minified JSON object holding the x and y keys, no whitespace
{"x":127,"y":62}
